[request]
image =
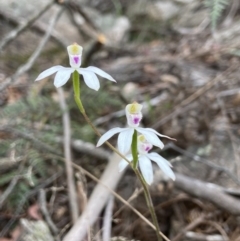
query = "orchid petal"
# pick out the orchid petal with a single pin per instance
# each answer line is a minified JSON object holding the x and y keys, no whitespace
{"x":162,"y":163}
{"x":152,"y":130}
{"x":109,"y":134}
{"x":90,"y":79}
{"x":146,"y":169}
{"x":154,"y":156}
{"x":62,"y":77}
{"x":49,"y":72}
{"x":123,"y":163}
{"x":125,"y":140}
{"x":150,"y":137}
{"x":100,"y":72}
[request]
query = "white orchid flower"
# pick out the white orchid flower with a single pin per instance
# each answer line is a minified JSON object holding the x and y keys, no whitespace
{"x":144,"y":160}
{"x":63,"y":73}
{"x":134,"y":116}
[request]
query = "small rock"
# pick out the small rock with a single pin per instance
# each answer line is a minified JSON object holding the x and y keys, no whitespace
{"x":130,"y":90}
{"x":162,"y":11}
{"x":114,"y":27}
{"x":168,"y":78}
{"x":35,"y":230}
{"x":192,"y":15}
{"x":122,"y":239}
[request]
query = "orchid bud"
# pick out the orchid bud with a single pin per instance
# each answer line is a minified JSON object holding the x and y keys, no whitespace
{"x":134,"y":114}
{"x":75,"y":54}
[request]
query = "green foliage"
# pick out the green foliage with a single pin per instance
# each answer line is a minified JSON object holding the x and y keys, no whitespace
{"x":35,"y":170}
{"x":7,"y":177}
{"x":30,"y":108}
{"x":96,"y":103}
{"x":4,"y":146}
{"x":24,"y":116}
{"x":19,"y":192}
{"x":84,"y":133}
{"x":36,"y":161}
{"x":216,"y":8}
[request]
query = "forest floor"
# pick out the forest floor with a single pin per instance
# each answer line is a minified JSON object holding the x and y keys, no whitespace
{"x":166,"y":55}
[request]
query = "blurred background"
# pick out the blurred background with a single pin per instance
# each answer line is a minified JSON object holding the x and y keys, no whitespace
{"x":179,"y":58}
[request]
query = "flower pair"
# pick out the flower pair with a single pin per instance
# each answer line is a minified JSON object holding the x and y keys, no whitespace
{"x":63,"y":73}
{"x":146,"y":140}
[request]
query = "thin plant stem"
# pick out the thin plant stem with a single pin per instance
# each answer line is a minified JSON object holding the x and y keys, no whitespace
{"x":76,"y":87}
{"x":149,"y":203}
{"x":134,"y":150}
{"x":144,"y":184}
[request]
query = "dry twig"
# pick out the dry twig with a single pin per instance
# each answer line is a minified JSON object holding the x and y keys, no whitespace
{"x":25,"y":198}
{"x":204,"y":161}
{"x":9,"y":189}
{"x":39,"y":144}
{"x":13,"y":34}
{"x":27,"y":66}
{"x":43,"y":207}
{"x":178,"y":109}
{"x":153,"y":102}
{"x":191,"y":226}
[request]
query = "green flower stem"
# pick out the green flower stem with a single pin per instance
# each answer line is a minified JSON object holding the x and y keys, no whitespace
{"x":134,"y":150}
{"x":144,"y":184}
{"x":149,"y":203}
{"x":76,"y":86}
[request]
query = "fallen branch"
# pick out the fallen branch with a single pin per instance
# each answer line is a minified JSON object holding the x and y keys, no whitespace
{"x":189,"y":227}
{"x":68,"y":159}
{"x":205,"y":162}
{"x":88,"y":149}
{"x":208,"y":192}
{"x":97,"y":200}
{"x":100,"y":195}
{"x":107,"y":221}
